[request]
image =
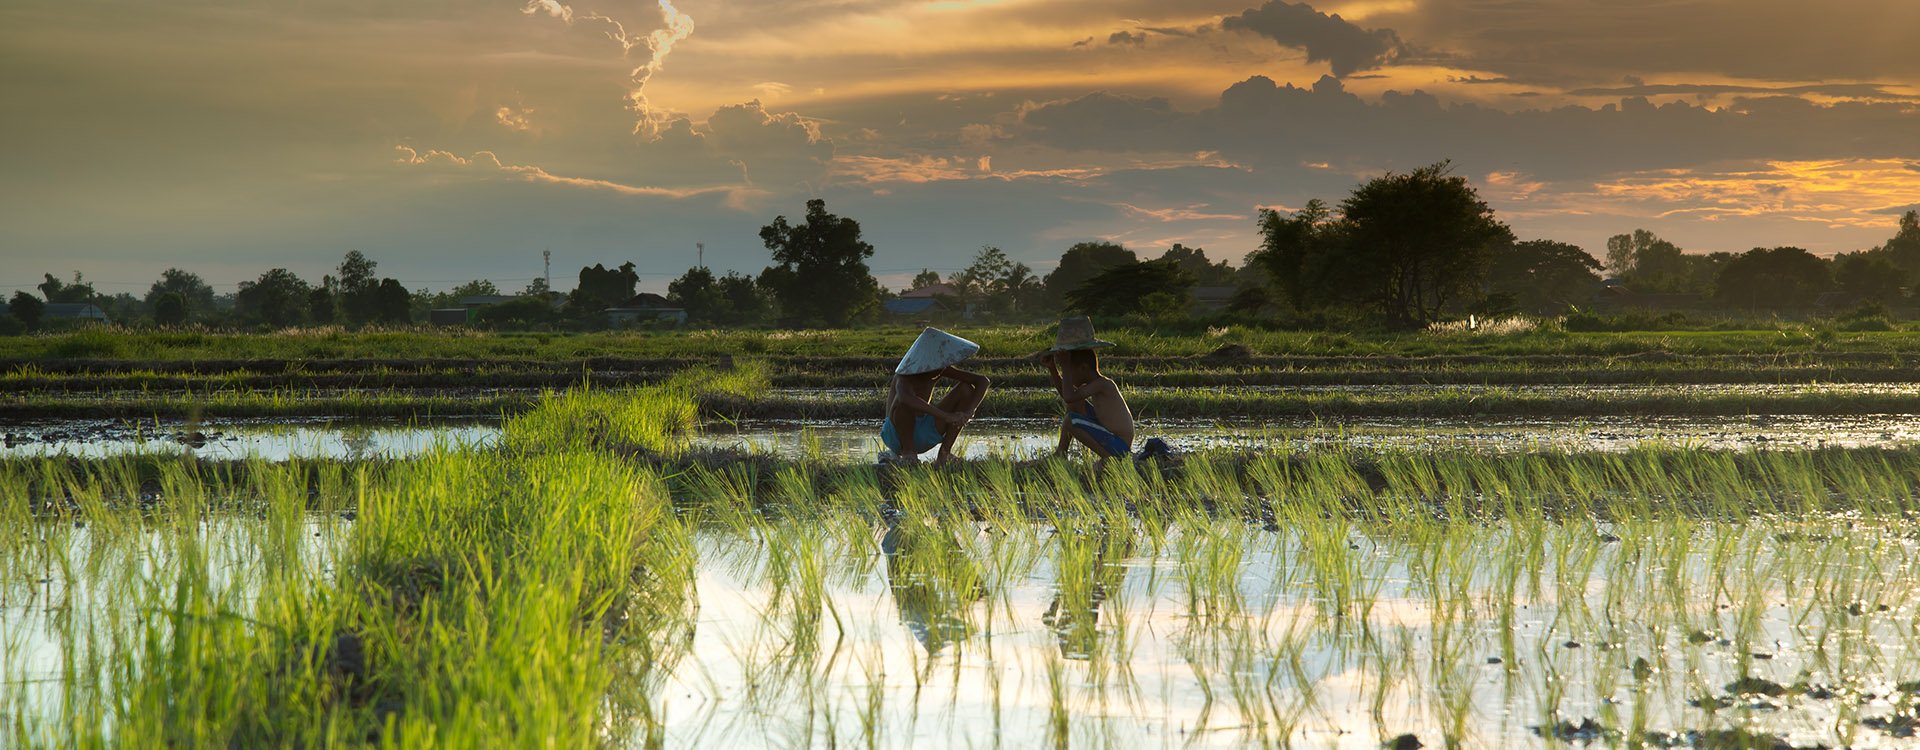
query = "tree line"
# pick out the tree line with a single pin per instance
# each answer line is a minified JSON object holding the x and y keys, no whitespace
{"x":1403,"y":249}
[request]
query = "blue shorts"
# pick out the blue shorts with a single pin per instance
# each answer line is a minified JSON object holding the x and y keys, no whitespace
{"x":926,"y":435}
{"x":1089,"y":425}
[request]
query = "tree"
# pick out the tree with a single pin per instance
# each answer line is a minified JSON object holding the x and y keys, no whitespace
{"x":194,"y":293}
{"x":320,"y":305}
{"x":923,"y":279}
{"x":820,"y":274}
{"x":77,"y":291}
{"x":1081,"y":262}
{"x":1294,"y":250}
{"x":601,"y":287}
{"x":1647,"y":263}
{"x":1777,"y":277}
{"x":1542,"y":276}
{"x":170,"y":308}
{"x":1416,"y":241}
{"x":27,"y":308}
{"x":696,"y":293}
{"x":475,"y":288}
{"x":1194,"y":261}
{"x":1869,"y":276}
{"x":745,"y":300}
{"x":277,"y":298}
{"x":1123,"y":289}
{"x":390,"y":303}
{"x":1904,"y":248}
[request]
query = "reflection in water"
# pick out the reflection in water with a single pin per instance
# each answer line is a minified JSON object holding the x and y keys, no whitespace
{"x":1088,"y":570}
{"x":934,"y":581}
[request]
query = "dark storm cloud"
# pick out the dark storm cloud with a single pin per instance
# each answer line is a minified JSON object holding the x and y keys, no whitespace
{"x":1260,"y":123}
{"x":1583,"y":42}
{"x":1326,"y":38}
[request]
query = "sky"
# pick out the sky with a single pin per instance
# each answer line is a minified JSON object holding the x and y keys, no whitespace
{"x":451,"y":140}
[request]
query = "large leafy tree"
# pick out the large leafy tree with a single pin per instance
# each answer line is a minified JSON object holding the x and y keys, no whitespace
{"x":1415,"y":242}
{"x":27,"y":308}
{"x":601,"y":287}
{"x":1646,"y":263}
{"x":1542,"y":276}
{"x":732,"y":299}
{"x":820,"y":274}
{"x":277,"y":298}
{"x":1126,"y":288}
{"x":1194,"y":261}
{"x":78,"y":290}
{"x":1869,"y":276}
{"x":195,"y":294}
{"x":1904,"y":248}
{"x":1081,"y":262}
{"x":1295,"y":250}
{"x":1772,"y":278}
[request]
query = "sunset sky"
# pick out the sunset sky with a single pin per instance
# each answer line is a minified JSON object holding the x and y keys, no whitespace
{"x":456,"y":139}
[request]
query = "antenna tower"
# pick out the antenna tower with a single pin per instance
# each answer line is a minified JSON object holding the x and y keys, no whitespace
{"x":546,"y":261}
{"x":702,"y":247}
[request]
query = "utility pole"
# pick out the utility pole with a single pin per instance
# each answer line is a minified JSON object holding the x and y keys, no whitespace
{"x":702,"y":246}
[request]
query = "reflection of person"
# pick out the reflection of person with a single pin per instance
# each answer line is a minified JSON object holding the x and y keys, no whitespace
{"x":914,"y":424}
{"x":1097,"y":415}
{"x":933,"y":582}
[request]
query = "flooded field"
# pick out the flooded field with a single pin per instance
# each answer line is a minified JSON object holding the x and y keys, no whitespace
{"x":906,"y":627}
{"x":1021,"y":439}
{"x":621,"y":568}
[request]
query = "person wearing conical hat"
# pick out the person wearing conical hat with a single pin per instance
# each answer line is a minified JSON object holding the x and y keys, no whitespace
{"x":914,"y":424}
{"x":1097,"y":415}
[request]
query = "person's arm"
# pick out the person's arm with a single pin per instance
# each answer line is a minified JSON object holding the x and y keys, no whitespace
{"x":1053,"y":369}
{"x":1074,"y":394}
{"x":906,"y":397}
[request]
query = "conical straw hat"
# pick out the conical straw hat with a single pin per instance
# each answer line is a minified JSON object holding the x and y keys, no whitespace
{"x":935,"y":350}
{"x":1076,"y":334}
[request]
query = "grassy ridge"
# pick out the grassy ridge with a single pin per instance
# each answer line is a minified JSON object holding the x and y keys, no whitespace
{"x":996,"y":341}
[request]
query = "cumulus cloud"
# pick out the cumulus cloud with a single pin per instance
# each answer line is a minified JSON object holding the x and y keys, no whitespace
{"x":1326,"y":38}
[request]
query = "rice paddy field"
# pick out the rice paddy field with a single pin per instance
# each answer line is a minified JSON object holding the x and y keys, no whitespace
{"x":1699,"y":540}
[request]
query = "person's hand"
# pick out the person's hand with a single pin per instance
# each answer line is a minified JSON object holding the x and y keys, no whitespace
{"x":960,"y":418}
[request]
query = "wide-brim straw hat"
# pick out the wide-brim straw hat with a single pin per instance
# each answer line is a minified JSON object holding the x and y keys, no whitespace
{"x":935,"y":350}
{"x":1076,"y":334}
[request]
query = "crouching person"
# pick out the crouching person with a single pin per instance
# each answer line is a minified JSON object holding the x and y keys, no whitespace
{"x":1097,"y":415}
{"x":914,"y":423}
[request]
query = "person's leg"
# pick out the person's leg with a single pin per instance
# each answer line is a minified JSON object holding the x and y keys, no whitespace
{"x":1096,"y":437}
{"x":963,"y":397}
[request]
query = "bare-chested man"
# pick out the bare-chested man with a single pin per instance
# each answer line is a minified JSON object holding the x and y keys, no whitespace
{"x":914,"y":424}
{"x":1097,"y":415}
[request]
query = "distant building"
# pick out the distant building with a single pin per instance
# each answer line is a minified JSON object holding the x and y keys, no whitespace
{"x":1212,"y":299}
{"x":645,"y":307}
{"x":941,"y":289}
{"x":452,"y":316}
{"x":473,"y":301}
{"x":914,"y":307}
{"x":74,"y":311}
